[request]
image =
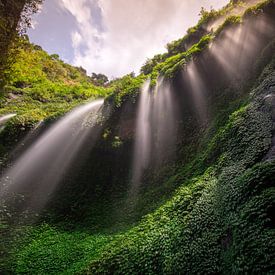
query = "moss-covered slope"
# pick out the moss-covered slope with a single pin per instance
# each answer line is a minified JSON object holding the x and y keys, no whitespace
{"x":43,"y":86}
{"x":209,"y":210}
{"x":219,"y":222}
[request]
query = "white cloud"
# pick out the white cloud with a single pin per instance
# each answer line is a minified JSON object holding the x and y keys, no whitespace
{"x":34,"y":23}
{"x":115,"y":37}
{"x":76,"y":39}
{"x":78,"y":9}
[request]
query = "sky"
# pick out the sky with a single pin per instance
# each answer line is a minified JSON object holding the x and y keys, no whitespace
{"x":113,"y":37}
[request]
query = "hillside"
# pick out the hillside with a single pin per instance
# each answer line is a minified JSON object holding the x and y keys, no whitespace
{"x":42,"y":87}
{"x":174,"y":175}
{"x":38,"y":80}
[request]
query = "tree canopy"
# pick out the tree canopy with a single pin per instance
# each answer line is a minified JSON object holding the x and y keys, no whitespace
{"x":15,"y":18}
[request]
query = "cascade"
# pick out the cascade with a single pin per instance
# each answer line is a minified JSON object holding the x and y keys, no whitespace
{"x":38,"y":171}
{"x":155,"y":130}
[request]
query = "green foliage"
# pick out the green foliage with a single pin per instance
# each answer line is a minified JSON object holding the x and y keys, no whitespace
{"x":179,"y":54}
{"x":219,"y":220}
{"x":46,"y":249}
{"x":174,"y":239}
{"x":117,"y":142}
{"x":227,"y":15}
{"x":233,"y":200}
{"x":42,"y":86}
{"x":14,"y":20}
{"x":194,"y":34}
{"x":231,"y":20}
{"x":126,"y":87}
{"x":228,"y":192}
{"x":99,"y":79}
{"x":173,"y":64}
{"x":149,"y":65}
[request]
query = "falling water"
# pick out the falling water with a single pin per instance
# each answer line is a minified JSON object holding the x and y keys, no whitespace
{"x":236,"y":50}
{"x":155,"y":130}
{"x":42,"y":166}
{"x":5,"y":118}
{"x":163,"y":123}
{"x":143,"y":135}
{"x":197,"y":90}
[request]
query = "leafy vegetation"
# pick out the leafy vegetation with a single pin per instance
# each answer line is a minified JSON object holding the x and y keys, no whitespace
{"x":210,"y":213}
{"x":206,"y":25}
{"x":99,"y":79}
{"x":231,"y":20}
{"x":14,"y":19}
{"x":126,"y":87}
{"x":43,"y":86}
{"x":233,"y":199}
{"x":173,"y":64}
{"x":168,"y":64}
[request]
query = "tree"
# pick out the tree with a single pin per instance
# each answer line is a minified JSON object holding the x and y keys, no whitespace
{"x":99,"y":79}
{"x":15,"y":18}
{"x":149,"y":65}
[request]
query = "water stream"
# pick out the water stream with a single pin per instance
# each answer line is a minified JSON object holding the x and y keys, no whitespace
{"x":155,"y":130}
{"x":38,"y":171}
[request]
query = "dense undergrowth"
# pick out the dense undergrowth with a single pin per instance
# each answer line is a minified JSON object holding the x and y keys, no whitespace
{"x":219,"y":221}
{"x":42,"y":86}
{"x":216,"y":222}
{"x":210,"y":212}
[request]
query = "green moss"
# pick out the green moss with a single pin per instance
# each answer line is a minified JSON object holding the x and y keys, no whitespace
{"x":175,"y":63}
{"x":42,"y":86}
{"x":218,"y":220}
{"x":229,"y":21}
{"x":224,"y":190}
{"x":230,"y":200}
{"x":46,"y":249}
{"x":125,"y":88}
{"x":194,"y":34}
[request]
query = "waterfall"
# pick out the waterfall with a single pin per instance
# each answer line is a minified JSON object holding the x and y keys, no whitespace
{"x":143,"y":135}
{"x":155,"y":130}
{"x":197,"y":90}
{"x":163,"y":123}
{"x":37,"y":172}
{"x":4,"y":119}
